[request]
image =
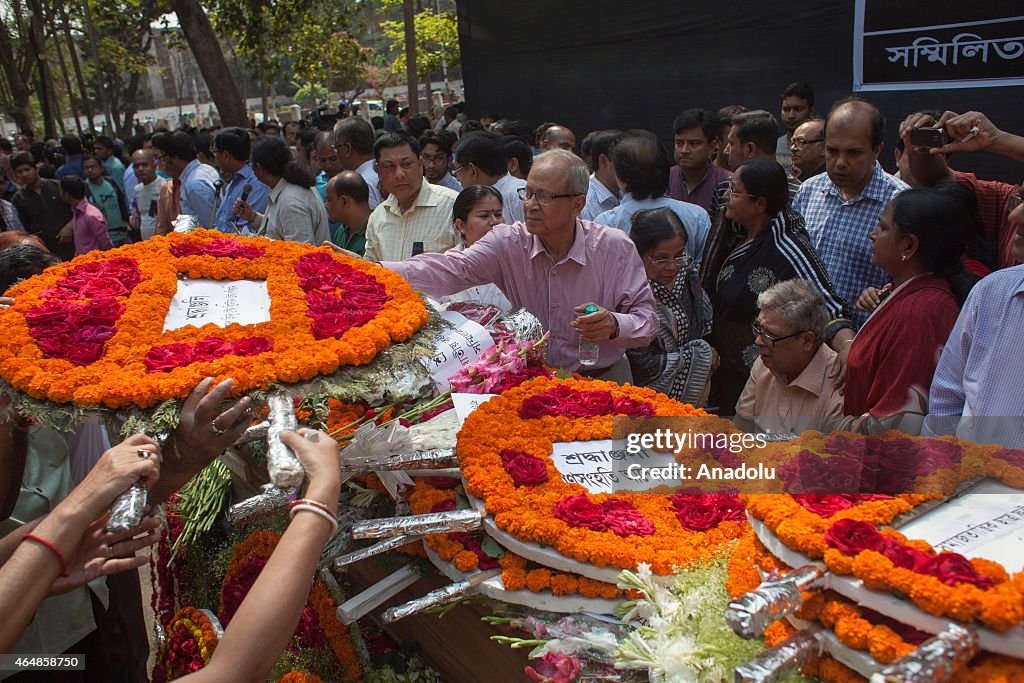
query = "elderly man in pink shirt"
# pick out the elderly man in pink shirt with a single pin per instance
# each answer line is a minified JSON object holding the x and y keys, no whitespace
{"x":554,"y":265}
{"x":88,"y":226}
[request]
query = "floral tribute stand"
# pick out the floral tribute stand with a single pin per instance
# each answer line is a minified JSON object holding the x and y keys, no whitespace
{"x":892,"y":585}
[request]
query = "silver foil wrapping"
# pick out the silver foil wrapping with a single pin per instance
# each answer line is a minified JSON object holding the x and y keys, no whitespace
{"x":129,"y":508}
{"x":285,"y":469}
{"x":524,"y":324}
{"x":384,"y":546}
{"x":441,"y":596}
{"x":936,"y":659}
{"x":257,"y":432}
{"x":185,"y":223}
{"x":777,"y":663}
{"x":749,"y":615}
{"x":431,"y":523}
{"x":439,"y":457}
{"x":267,"y":503}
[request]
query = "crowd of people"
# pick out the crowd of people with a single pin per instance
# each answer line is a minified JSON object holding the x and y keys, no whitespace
{"x":775,"y":273}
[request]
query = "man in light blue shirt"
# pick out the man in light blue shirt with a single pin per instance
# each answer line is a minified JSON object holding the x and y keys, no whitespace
{"x":479,"y":160}
{"x":113,"y":167}
{"x":603,"y":194}
{"x":230,"y":151}
{"x":177,"y":156}
{"x":642,"y":167}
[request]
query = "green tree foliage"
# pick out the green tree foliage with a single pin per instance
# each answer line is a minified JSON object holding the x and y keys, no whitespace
{"x":437,"y":41}
{"x":310,"y":40}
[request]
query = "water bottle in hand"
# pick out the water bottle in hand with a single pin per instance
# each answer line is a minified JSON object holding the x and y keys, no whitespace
{"x":588,"y":350}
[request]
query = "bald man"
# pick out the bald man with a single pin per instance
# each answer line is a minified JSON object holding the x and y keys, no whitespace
{"x":348,"y":205}
{"x":841,"y":206}
{"x":807,"y":147}
{"x":558,"y":137}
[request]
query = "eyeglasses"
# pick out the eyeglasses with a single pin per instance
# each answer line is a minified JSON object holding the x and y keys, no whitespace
{"x":730,"y":191}
{"x":1013,"y":202}
{"x":800,"y":142}
{"x":543,"y":198}
{"x":665,"y":262}
{"x":772,"y":340}
{"x":456,"y":171}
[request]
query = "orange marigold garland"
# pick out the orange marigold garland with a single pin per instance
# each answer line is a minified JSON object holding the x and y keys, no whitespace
{"x":533,"y":503}
{"x":133,"y":299}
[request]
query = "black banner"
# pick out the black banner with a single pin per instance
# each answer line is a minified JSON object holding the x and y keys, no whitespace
{"x":919,"y":44}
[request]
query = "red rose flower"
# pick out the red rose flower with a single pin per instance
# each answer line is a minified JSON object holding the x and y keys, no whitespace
{"x":807,"y":472}
{"x":94,"y":334}
{"x":82,"y":353}
{"x":251,"y":346}
{"x":824,"y":504}
{"x":539,"y":405}
{"x":905,"y":556}
{"x":580,"y":511}
{"x":210,"y":349}
{"x":167,"y":357}
{"x":625,"y":520}
{"x":443,"y":506}
{"x":598,"y":402}
{"x":102,"y":311}
{"x":624,"y":405}
{"x":698,"y":515}
{"x":525,"y":469}
{"x":850,"y":536}
{"x":51,"y":312}
{"x":953,"y":568}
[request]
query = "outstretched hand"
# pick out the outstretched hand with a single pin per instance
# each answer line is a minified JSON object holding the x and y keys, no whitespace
{"x":102,"y":553}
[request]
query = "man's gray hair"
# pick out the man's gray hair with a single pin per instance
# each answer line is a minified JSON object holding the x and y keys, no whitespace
{"x":577,"y":178}
{"x":799,"y":304}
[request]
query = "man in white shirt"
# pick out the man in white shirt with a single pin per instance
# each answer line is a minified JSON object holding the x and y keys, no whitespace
{"x":146,"y":193}
{"x":353,"y":138}
{"x":479,"y":160}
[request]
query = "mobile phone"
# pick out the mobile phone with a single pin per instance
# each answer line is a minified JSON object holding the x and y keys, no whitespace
{"x":928,"y":137}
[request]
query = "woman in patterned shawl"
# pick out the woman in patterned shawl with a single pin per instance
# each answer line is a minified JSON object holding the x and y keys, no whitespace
{"x":770,"y":253}
{"x":678,"y":362}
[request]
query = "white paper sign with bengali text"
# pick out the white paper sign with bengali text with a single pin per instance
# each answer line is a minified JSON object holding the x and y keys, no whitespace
{"x":202,"y":302}
{"x":456,"y":348}
{"x":467,"y":403}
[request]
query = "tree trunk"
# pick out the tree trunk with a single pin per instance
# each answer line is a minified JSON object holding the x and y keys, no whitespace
{"x":83,"y":92}
{"x":46,"y":90}
{"x":410,"y":57}
{"x":21,"y":110}
{"x":72,"y":100}
{"x":206,"y":50}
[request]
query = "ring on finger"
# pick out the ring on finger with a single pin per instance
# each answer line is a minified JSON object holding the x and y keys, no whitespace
{"x":143,"y":453}
{"x":217,"y":430}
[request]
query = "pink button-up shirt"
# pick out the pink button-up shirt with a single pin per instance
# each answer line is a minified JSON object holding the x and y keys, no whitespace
{"x":602,"y":266}
{"x":90,"y":229}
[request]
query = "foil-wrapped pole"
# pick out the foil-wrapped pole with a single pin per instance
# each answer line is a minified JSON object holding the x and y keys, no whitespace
{"x":749,"y":615}
{"x":384,"y":546}
{"x":430,"y":523}
{"x":441,"y":596}
{"x":936,"y":659}
{"x":267,"y":503}
{"x":257,"y":432}
{"x":185,"y":223}
{"x":129,"y":507}
{"x":285,"y":469}
{"x":437,"y":458}
{"x":777,"y":663}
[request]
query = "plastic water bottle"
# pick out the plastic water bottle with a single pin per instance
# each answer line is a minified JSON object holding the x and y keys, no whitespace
{"x":588,"y":350}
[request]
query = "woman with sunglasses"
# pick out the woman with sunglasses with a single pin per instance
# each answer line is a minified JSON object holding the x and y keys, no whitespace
{"x":769,"y":252}
{"x":678,"y":362}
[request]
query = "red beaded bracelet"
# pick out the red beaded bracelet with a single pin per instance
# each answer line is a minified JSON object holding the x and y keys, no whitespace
{"x":52,"y":547}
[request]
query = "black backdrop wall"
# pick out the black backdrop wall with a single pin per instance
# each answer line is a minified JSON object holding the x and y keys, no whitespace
{"x":593,"y":64}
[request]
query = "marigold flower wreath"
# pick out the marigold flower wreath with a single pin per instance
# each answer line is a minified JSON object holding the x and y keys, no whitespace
{"x":505,"y":446}
{"x":191,"y":640}
{"x":90,"y":331}
{"x":845,"y":529}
